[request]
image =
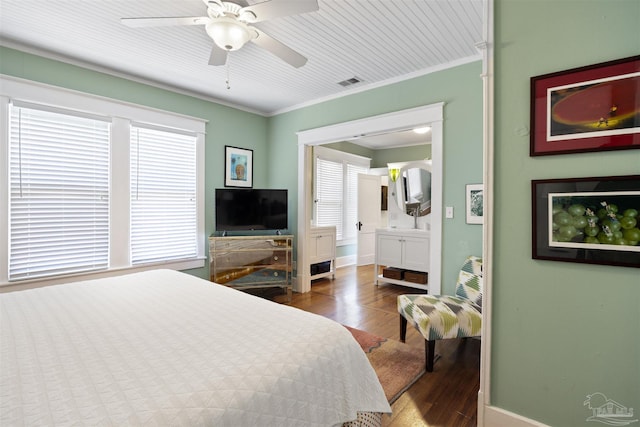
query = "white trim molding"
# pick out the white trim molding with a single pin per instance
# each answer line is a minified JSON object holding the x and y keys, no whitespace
{"x":498,"y":417}
{"x":345,"y":261}
{"x":120,"y":114}
{"x":44,"y":94}
{"x":486,"y":413}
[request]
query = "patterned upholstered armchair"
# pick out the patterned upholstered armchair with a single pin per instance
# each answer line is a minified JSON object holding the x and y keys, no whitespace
{"x":439,"y":317}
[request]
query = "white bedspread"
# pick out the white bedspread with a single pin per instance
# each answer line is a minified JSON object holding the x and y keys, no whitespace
{"x":166,"y":348}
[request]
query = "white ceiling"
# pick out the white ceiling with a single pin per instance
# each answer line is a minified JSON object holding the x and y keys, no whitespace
{"x":378,"y":41}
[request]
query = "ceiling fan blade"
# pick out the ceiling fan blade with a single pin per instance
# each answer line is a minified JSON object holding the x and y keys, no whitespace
{"x":278,"y":8}
{"x":218,"y":56}
{"x":279,"y":49}
{"x":162,"y":22}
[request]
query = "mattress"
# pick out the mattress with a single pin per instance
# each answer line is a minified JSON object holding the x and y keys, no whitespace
{"x":166,"y":348}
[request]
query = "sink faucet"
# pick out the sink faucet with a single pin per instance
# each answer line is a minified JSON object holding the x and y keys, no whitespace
{"x":414,"y":214}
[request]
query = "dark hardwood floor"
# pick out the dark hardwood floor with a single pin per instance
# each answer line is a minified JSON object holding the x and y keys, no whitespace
{"x":445,"y":397}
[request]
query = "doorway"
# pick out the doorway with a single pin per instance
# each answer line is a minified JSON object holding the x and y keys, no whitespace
{"x":396,"y":121}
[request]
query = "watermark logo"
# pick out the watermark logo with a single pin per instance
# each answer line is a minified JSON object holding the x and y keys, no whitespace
{"x":608,"y":411}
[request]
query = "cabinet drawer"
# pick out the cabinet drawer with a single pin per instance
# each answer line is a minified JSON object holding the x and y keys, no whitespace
{"x":251,"y":276}
{"x":239,"y":259}
{"x":251,"y":262}
{"x":231,"y":244}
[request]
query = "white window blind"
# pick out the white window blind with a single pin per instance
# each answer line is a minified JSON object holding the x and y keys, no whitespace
{"x":329,"y":190}
{"x":336,"y":191}
{"x":163,"y":195}
{"x":59,"y":192}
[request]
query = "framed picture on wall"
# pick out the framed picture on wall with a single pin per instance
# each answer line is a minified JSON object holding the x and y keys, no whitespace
{"x":474,"y":203}
{"x":238,"y":167}
{"x":587,"y":220}
{"x":592,"y":108}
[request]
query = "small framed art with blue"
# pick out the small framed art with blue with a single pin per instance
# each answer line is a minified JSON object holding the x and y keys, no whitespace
{"x":238,"y":167}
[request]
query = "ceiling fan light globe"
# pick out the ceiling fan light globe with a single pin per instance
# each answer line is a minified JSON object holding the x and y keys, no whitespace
{"x":228,"y":33}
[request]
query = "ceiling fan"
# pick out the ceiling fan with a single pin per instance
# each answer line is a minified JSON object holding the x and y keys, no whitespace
{"x":229,"y":25}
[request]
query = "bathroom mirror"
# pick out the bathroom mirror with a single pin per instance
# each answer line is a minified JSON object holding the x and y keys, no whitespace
{"x":411,"y":187}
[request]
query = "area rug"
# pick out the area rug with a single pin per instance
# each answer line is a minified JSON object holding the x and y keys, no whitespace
{"x":397,"y":365}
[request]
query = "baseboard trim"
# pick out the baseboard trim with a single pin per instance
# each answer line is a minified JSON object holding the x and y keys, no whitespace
{"x":498,"y":417}
{"x":343,"y":261}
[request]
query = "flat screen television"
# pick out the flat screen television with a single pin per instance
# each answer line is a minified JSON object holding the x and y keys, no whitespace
{"x":251,"y":209}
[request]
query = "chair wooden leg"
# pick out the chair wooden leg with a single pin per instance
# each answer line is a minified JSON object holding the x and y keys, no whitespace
{"x":430,"y":350}
{"x":403,"y":328}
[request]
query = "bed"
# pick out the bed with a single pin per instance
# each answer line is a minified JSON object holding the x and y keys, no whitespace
{"x":166,"y":348}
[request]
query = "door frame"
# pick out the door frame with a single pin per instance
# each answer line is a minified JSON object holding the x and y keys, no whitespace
{"x":396,"y":121}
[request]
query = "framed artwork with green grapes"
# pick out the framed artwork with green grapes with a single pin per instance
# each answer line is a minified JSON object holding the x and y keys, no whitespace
{"x":589,"y":220}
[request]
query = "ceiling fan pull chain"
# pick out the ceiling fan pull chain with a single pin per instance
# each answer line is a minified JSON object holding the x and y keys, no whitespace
{"x":227,"y":66}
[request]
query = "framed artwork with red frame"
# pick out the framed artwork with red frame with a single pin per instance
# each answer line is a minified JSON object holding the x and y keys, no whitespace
{"x":592,"y":108}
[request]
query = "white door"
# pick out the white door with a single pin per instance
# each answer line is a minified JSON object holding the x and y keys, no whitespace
{"x":369,"y":205}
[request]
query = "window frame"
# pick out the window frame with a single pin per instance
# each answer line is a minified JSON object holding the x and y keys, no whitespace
{"x":63,"y":228}
{"x":122,"y":115}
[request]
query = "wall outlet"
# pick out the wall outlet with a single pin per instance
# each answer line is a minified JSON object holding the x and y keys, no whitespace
{"x":449,"y":212}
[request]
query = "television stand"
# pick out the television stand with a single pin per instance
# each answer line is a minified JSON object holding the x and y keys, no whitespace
{"x":252,"y":262}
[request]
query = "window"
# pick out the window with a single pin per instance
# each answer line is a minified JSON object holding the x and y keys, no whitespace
{"x":328,"y":198}
{"x":163,"y":195}
{"x":336,"y":191}
{"x":96,"y":185}
{"x":59,"y":193}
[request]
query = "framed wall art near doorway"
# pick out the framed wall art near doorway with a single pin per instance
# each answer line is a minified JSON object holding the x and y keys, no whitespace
{"x":474,"y":203}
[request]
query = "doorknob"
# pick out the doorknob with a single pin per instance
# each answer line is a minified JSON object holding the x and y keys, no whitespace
{"x":359,"y":226}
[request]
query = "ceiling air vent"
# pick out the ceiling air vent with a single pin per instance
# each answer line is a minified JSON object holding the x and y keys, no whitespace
{"x":353,"y":80}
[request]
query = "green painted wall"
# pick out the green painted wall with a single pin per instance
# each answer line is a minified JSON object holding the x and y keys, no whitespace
{"x":461,"y":90}
{"x":227,"y":126}
{"x":561,"y":331}
{"x":351,"y":148}
{"x":402,"y":154}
